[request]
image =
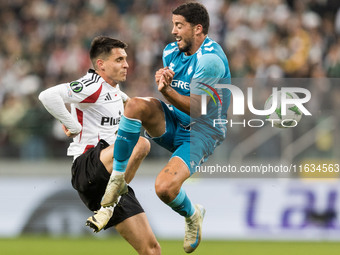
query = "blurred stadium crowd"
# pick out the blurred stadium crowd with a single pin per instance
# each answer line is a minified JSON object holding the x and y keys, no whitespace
{"x":46,"y":42}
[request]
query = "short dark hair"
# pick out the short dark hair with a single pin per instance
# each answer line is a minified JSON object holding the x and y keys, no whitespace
{"x":194,"y":13}
{"x":102,"y":45}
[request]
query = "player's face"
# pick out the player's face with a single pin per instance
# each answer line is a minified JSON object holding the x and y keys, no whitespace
{"x":183,"y":32}
{"x":116,"y":65}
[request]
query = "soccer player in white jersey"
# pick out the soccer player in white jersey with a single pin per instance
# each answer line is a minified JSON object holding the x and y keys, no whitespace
{"x":97,"y":105}
{"x":192,"y":56}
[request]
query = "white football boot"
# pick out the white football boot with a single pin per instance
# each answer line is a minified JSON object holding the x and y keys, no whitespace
{"x":193,"y":229}
{"x":115,"y":188}
{"x":98,"y":221}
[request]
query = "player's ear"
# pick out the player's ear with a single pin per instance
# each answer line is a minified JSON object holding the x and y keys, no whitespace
{"x":198,"y":29}
{"x":100,"y":64}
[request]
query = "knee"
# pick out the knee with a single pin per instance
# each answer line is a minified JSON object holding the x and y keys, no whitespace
{"x":165,"y":190}
{"x":155,"y":249}
{"x":152,"y":248}
{"x":133,"y":103}
{"x":137,"y":107}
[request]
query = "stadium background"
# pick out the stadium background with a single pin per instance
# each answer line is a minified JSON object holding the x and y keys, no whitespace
{"x":45,"y":42}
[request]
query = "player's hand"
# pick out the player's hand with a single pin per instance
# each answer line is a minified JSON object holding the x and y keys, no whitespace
{"x":159,"y":74}
{"x":68,"y":132}
{"x":165,"y":80}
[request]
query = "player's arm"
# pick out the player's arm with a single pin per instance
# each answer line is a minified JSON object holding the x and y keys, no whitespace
{"x":68,"y":132}
{"x":181,"y":102}
{"x":54,"y":101}
{"x":163,"y":79}
{"x":159,"y":74}
{"x":210,"y":68}
{"x":190,"y":105}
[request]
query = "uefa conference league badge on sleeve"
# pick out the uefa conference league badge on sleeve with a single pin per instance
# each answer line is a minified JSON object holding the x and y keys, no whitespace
{"x":76,"y":86}
{"x":283,"y":128}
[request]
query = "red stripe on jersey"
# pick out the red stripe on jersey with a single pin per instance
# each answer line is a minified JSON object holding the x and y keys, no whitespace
{"x":88,"y":147}
{"x":80,"y":120}
{"x":94,"y":97}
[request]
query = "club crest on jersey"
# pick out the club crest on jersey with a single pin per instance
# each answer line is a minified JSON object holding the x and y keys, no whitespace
{"x":189,"y":70}
{"x":76,"y":86}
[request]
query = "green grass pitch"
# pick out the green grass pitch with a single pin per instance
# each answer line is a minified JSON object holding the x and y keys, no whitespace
{"x":116,"y":245}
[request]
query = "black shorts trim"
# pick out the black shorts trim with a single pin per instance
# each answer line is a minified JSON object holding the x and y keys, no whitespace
{"x":90,"y":177}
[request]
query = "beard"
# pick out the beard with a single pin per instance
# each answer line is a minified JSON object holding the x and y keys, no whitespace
{"x":186,"y":47}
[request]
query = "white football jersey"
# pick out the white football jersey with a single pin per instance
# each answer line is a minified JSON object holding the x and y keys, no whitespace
{"x":98,"y":108}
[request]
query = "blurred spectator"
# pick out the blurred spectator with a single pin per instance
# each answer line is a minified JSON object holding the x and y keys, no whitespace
{"x":12,"y":110}
{"x":33,"y":130}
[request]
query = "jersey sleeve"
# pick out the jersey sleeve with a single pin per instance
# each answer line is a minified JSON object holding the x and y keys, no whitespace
{"x":167,"y":53}
{"x":165,"y":60}
{"x":209,"y":66}
{"x":209,"y":70}
{"x":54,"y":100}
{"x":77,"y":92}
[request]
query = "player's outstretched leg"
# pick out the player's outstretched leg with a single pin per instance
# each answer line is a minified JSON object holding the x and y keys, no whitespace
{"x":127,"y":137}
{"x":193,"y":229}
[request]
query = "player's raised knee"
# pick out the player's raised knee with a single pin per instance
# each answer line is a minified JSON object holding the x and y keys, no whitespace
{"x":141,"y":108}
{"x":135,"y":106}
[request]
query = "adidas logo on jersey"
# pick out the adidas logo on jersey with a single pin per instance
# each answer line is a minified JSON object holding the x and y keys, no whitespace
{"x":108,"y":97}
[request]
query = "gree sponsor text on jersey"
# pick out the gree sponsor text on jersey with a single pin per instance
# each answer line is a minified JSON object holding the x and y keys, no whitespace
{"x":180,"y":84}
